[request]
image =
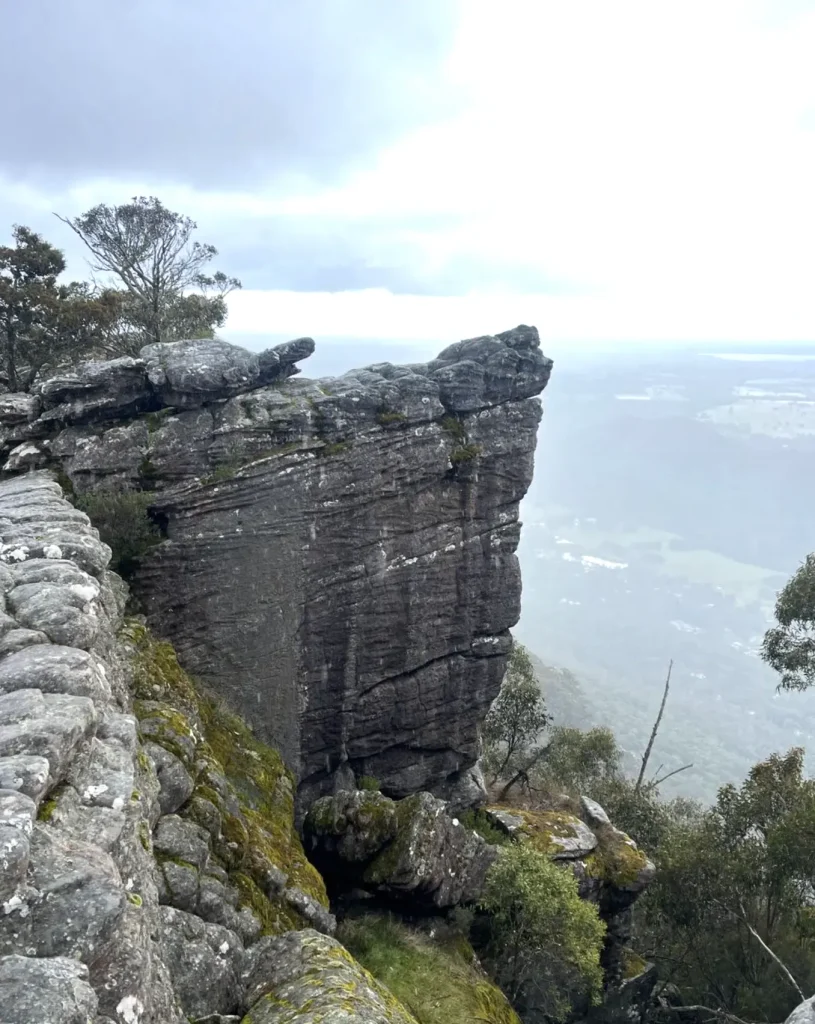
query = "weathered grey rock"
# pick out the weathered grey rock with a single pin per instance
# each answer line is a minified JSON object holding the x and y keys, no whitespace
{"x":27,"y":774}
{"x":74,"y":903}
{"x":17,"y":810}
{"x":351,"y":826}
{"x":203,"y":960}
{"x":181,"y":883}
{"x":175,"y":781}
{"x":190,"y":373}
{"x":310,"y":910}
{"x":18,"y":639}
{"x":52,"y":990}
{"x":24,"y":457}
{"x":52,"y":726}
{"x":182,"y":840}
{"x":14,"y":855}
{"x":312,"y":978}
{"x":463,"y":791}
{"x":96,"y":390}
{"x":410,"y":849}
{"x":17,"y":407}
{"x":53,"y":668}
{"x":593,"y":814}
{"x":804,"y":1013}
{"x":292,"y":580}
{"x":58,"y":599}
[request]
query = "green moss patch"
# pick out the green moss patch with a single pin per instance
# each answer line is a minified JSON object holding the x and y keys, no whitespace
{"x":439,"y":981}
{"x":616,"y":861}
{"x":633,"y":965}
{"x":244,"y":779}
{"x":541,"y":828}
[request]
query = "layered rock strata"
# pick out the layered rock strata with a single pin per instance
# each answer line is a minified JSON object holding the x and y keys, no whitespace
{"x":339,"y":555}
{"x":148,"y":854}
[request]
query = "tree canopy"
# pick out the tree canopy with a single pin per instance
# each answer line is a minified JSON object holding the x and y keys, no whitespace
{"x":150,"y":251}
{"x":42,"y":321}
{"x":789,"y":647}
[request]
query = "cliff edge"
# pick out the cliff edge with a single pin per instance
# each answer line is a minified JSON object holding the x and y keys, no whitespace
{"x":338,"y":556}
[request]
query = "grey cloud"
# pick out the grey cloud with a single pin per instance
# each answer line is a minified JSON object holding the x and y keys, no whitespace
{"x":346,"y":254}
{"x":215,"y":94}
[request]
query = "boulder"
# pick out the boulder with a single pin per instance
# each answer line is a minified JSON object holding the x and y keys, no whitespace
{"x":408,"y":849}
{"x":47,"y":989}
{"x":203,"y":960}
{"x":312,"y":978}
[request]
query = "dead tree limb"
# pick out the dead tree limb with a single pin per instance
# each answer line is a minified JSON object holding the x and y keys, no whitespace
{"x":654,"y":731}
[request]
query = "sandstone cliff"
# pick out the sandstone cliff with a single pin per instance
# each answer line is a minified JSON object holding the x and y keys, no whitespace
{"x":339,"y":555}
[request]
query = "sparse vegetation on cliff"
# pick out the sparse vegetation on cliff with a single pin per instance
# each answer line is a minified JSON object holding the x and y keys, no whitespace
{"x":438,"y":980}
{"x":122,"y":519}
{"x":543,"y":938}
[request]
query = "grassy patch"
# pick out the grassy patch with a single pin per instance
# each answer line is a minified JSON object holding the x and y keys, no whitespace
{"x":387,"y":418}
{"x":439,"y":982}
{"x":479,"y":822}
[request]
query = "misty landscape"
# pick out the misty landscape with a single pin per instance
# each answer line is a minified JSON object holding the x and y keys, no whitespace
{"x":670,"y":504}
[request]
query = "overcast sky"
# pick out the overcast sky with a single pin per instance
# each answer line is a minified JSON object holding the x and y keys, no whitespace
{"x":433,"y":169}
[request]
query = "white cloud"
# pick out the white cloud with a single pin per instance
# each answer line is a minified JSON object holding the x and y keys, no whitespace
{"x":657,"y":158}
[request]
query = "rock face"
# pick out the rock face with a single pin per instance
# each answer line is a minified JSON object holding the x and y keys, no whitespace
{"x":339,"y":559}
{"x":310,"y":978}
{"x":409,"y":849}
{"x":147,"y":839}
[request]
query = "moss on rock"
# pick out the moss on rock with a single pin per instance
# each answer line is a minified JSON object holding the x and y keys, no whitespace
{"x":439,"y":980}
{"x":245,"y":780}
{"x":617,"y":861}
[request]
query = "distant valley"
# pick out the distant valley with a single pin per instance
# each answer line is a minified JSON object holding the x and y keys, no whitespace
{"x":672,"y":499}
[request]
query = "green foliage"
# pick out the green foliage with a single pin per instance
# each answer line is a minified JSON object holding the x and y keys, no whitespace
{"x":465,"y":453}
{"x":454,"y":426}
{"x":150,"y":252}
{"x":41,"y":321}
{"x":545,"y":941}
{"x":479,"y":822}
{"x":515,"y":720}
{"x":387,"y":417}
{"x":438,"y":980}
{"x":789,"y":647}
{"x":579,"y":762}
{"x":123,"y":522}
{"x":368,"y":783}
{"x":747,"y":863}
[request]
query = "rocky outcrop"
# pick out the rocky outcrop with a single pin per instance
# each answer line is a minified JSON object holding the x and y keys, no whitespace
{"x":80,"y":915}
{"x":339,"y":555}
{"x":409,"y":849}
{"x":311,"y":978}
{"x":147,"y":838}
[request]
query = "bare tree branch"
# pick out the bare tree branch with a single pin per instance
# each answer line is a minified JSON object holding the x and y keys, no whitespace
{"x":656,"y":782}
{"x":654,"y":731}
{"x":771,"y":954}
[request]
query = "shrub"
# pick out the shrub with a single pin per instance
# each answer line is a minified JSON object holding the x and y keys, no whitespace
{"x":123,"y":523}
{"x":544,"y":940}
{"x":369,"y":783}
